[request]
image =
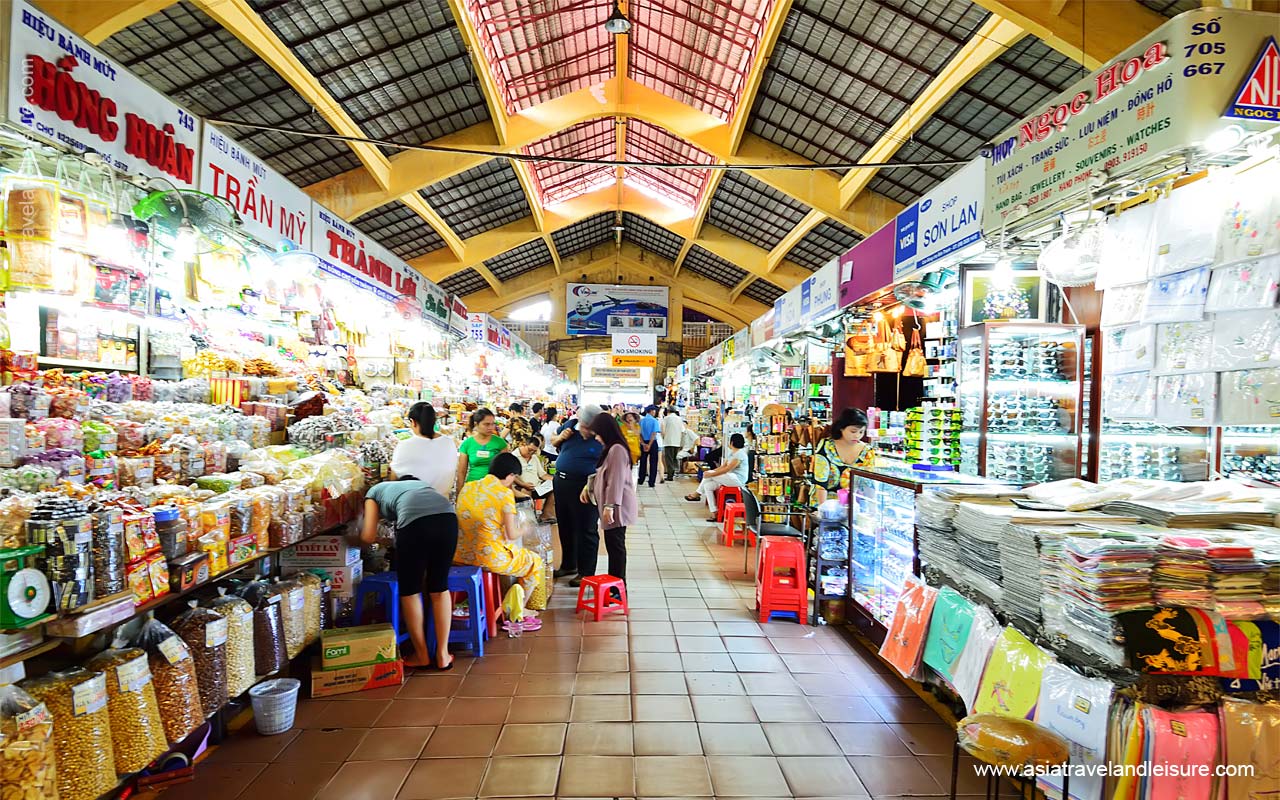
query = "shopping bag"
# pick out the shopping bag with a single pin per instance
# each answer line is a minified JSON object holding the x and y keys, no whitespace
{"x":915,"y":366}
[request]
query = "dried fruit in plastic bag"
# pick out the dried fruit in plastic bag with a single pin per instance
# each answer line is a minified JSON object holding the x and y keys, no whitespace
{"x":205,"y":632}
{"x":28,"y":756}
{"x":268,"y":626}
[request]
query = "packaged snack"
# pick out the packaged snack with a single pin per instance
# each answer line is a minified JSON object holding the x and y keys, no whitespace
{"x":205,"y":632}
{"x":313,"y":589}
{"x":171,"y":531}
{"x":28,"y":754}
{"x":268,"y":627}
{"x":215,"y":546}
{"x":139,"y":580}
{"x":109,"y":553}
{"x":238,"y":615}
{"x":293,"y":612}
{"x":77,"y":701}
{"x":174,"y":673}
{"x":137,"y":732}
{"x":158,"y":574}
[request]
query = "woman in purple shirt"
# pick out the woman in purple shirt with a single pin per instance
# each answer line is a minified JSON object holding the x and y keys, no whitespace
{"x":615,"y":495}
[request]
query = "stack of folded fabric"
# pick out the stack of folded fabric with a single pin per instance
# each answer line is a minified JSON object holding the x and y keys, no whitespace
{"x":1193,"y":514}
{"x":1182,"y":570}
{"x":1103,"y":577}
{"x":979,"y":529}
{"x":936,"y":532}
{"x":1020,"y":566}
{"x":1237,"y":579}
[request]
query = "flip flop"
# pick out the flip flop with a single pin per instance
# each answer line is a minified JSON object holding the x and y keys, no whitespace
{"x":530,"y":624}
{"x":452,"y":661}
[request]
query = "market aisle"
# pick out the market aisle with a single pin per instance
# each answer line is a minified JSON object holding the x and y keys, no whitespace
{"x":689,"y":698}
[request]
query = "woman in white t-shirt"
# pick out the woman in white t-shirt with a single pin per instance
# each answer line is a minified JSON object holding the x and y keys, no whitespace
{"x":427,"y":455}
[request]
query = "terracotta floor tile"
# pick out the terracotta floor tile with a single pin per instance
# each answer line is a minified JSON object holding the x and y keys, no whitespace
{"x":776,"y":683}
{"x":367,"y":780}
{"x":385,"y":744}
{"x":650,"y":628}
{"x":605,"y":644}
{"x":300,"y":779}
{"x":534,"y":776}
{"x":599,"y":739}
{"x":217,"y":781}
{"x":477,"y":711}
{"x":722,"y":708}
{"x":734,"y":739}
{"x":601,"y":708}
{"x":499,"y":664}
{"x":413,"y":712}
{"x":739,"y":629}
{"x":748,"y":644}
{"x":552,"y":662}
{"x":596,"y":776}
{"x":318,"y":746}
{"x":658,"y":683}
{"x":890,"y":775}
{"x":902,"y":709}
{"x":539,"y":709}
{"x":462,"y":741}
{"x":489,"y":686}
{"x":925,"y":739}
{"x":544,"y":643}
{"x":683,"y":628}
{"x":603,"y":662}
{"x":545,"y":684}
{"x":360,"y":714}
{"x":605,"y":627}
{"x":801,"y":739}
{"x":667,"y":739}
{"x":690,"y":615}
{"x":443,"y":778}
{"x":826,"y":684}
{"x":816,"y":777}
{"x":746,"y":776}
{"x":799,"y":663}
{"x":662,"y":708}
{"x":867,"y":739}
{"x":308,"y":712}
{"x":246,"y":747}
{"x":778,"y":708}
{"x":646,"y":614}
{"x":808,"y":647}
{"x":602,"y":683}
{"x":844,"y":709}
{"x":655,"y":662}
{"x":672,"y":776}
{"x":541,"y":739}
{"x":431,"y":686}
{"x":714,"y":683}
{"x":706,"y":662}
{"x":653,"y":644}
{"x":757,"y":662}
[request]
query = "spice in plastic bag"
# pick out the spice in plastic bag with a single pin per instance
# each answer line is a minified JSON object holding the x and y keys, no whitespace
{"x":205,"y":632}
{"x":77,"y":701}
{"x":293,"y":612}
{"x":28,"y":757}
{"x":313,"y":591}
{"x":239,"y":617}
{"x":174,"y":674}
{"x":137,"y":732}
{"x":269,"y":653}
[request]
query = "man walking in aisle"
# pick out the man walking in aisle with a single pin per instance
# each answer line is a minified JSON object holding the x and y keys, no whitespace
{"x":578,"y":453}
{"x":672,"y":434}
{"x":649,"y":427}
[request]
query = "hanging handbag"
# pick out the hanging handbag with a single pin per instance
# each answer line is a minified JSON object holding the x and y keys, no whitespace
{"x":885,"y":358}
{"x":896,"y":339}
{"x":915,"y":366}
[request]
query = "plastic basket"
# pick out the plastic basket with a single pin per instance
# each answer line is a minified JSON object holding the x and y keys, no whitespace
{"x":274,"y":704}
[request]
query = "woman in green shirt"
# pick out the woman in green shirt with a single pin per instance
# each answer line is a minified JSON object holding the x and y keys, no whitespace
{"x":476,"y":454}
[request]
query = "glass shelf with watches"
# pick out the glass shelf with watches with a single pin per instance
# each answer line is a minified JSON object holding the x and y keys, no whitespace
{"x":1252,"y":449}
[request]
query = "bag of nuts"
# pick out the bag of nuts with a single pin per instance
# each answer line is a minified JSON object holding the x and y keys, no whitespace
{"x":269,"y":654}
{"x":205,"y":632}
{"x":293,"y":607}
{"x":28,"y":758}
{"x":77,"y":700}
{"x":313,"y":589}
{"x":137,"y":732}
{"x":239,"y":617}
{"x":174,"y":673}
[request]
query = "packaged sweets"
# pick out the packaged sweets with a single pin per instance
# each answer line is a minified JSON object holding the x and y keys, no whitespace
{"x":239,"y":618}
{"x":215,"y":546}
{"x":14,"y":512}
{"x":205,"y":632}
{"x":293,"y":612}
{"x":285,"y":529}
{"x":174,"y":673}
{"x":171,"y":530}
{"x":158,"y":574}
{"x":268,"y":627}
{"x":137,"y":732}
{"x":77,"y":701}
{"x":28,"y":756}
{"x":138,"y":578}
{"x":313,"y":592}
{"x":109,"y":553}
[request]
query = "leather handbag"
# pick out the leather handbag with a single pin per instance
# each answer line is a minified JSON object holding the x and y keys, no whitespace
{"x":896,"y":340}
{"x":885,"y":358}
{"x":915,"y":366}
{"x":857,"y":347}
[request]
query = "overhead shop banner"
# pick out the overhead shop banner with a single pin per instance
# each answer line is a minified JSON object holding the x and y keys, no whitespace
{"x":867,"y":267}
{"x":1165,"y":94}
{"x":598,"y":309}
{"x":348,"y":254}
{"x":62,"y":89}
{"x":459,"y":320}
{"x":786,"y":312}
{"x":946,"y":221}
{"x":738,"y":346}
{"x":634,"y":350}
{"x":819,"y":294}
{"x":709,"y":360}
{"x":762,"y":328}
{"x":271,"y":208}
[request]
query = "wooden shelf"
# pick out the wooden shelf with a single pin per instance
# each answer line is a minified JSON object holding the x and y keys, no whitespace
{"x":30,"y":652}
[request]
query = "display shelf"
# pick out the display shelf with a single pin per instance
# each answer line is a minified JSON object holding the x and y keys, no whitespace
{"x":92,"y":366}
{"x":30,"y":652}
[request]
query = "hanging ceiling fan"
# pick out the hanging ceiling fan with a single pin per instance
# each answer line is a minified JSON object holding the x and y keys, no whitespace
{"x":926,"y":294}
{"x":191,"y":222}
{"x":1073,"y":259}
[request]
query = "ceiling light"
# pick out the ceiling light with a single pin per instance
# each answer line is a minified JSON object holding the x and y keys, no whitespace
{"x":617,"y":23}
{"x":1224,"y":139}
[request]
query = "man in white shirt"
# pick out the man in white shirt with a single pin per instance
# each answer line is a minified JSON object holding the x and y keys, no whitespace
{"x":672,"y":434}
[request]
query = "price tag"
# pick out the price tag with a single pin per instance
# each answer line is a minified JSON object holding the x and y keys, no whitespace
{"x":27,"y":720}
{"x":89,"y":697}
{"x":215,"y":633}
{"x":297,"y":599}
{"x":133,"y":675}
{"x":246,"y":618}
{"x":174,"y":650}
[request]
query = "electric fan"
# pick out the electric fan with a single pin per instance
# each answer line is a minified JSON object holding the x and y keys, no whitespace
{"x":924,"y":294}
{"x":187,"y":220}
{"x":1073,"y":258}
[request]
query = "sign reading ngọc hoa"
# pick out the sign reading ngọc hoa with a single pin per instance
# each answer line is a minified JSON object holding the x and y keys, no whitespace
{"x":64,"y":90}
{"x":1166,"y":93}
{"x":270,"y":207}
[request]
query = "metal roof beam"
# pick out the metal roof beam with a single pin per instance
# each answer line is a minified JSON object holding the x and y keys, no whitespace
{"x":99,"y":20}
{"x":1090,"y":37}
{"x":802,"y":229}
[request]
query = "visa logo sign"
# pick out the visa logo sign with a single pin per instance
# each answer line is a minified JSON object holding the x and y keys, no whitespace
{"x":908,"y":223}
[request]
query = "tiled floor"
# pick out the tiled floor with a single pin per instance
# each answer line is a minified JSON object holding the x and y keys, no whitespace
{"x":688,"y":697}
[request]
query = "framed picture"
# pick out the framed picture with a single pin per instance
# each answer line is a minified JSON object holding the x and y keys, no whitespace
{"x":987,"y":296}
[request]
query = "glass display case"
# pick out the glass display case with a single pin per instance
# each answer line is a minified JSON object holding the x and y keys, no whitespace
{"x":1252,"y":449}
{"x":1021,"y":389}
{"x":1129,"y":449}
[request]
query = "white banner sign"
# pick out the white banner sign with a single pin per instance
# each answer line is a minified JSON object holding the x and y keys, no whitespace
{"x":64,"y":90}
{"x":786,"y":311}
{"x":635,"y":344}
{"x":819,"y":297}
{"x":270,"y":206}
{"x":946,"y":220}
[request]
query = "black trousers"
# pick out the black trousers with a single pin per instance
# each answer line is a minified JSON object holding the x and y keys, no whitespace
{"x":671,"y":461}
{"x":649,"y":458}
{"x":615,"y":543}
{"x":575,"y":518}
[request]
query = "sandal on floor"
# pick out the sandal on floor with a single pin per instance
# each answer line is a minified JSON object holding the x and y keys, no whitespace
{"x":693,"y":498}
{"x":530,"y":624}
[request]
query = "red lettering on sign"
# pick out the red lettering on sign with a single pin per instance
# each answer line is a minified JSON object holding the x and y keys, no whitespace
{"x":52,"y":88}
{"x":158,"y":148}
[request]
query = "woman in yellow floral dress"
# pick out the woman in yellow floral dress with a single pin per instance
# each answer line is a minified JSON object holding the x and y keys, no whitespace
{"x":487,"y":532}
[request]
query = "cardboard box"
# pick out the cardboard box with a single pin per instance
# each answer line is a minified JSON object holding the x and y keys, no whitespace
{"x":345,"y":579}
{"x":325,"y":683}
{"x":321,"y":551}
{"x":366,"y":645}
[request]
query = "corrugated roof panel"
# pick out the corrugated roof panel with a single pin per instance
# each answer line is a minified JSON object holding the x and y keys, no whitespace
{"x":480,"y":199}
{"x":650,"y":236}
{"x":464,"y":283}
{"x":648,"y":143}
{"x":517,"y":261}
{"x":398,"y":228}
{"x":826,"y":241}
{"x":763,"y":291}
{"x":709,"y":265}
{"x":557,"y":182}
{"x":584,"y":235}
{"x":1170,"y":8}
{"x":753,"y":211}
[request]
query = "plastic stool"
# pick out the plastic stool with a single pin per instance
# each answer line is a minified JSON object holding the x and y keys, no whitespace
{"x":468,"y":581}
{"x":780,"y":580}
{"x":387,"y":587}
{"x":492,"y":602}
{"x":601,"y":599}
{"x":723,"y":495}
{"x":733,"y":514}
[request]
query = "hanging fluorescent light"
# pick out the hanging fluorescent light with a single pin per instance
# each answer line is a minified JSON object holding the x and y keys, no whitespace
{"x":617,"y":22}
{"x":1224,"y":139}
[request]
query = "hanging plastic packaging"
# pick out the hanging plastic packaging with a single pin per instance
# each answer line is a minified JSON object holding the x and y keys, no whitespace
{"x":137,"y":731}
{"x":174,"y":674}
{"x":205,"y":631}
{"x":77,"y":701}
{"x":293,"y":605}
{"x":239,"y":617}
{"x":268,"y":627}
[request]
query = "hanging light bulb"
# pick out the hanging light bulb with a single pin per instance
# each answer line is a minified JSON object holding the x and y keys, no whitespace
{"x":185,"y":242}
{"x":617,"y":22}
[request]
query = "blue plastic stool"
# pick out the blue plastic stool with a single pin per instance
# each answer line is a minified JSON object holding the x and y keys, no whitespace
{"x":387,"y":587}
{"x":472,"y":630}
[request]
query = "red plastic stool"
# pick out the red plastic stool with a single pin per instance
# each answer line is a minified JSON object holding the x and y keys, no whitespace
{"x":601,"y":599}
{"x":780,"y":581}
{"x":723,"y":495}
{"x":493,"y":601}
{"x":729,"y":536}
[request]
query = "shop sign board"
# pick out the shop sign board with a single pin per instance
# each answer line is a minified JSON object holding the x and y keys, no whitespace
{"x":599,"y":309}
{"x":634,"y":350}
{"x":761,"y":327}
{"x":819,"y":294}
{"x":867,"y":267}
{"x":492,"y":333}
{"x":786,"y":312}
{"x":1166,"y":93}
{"x":709,"y":360}
{"x":271,"y":208}
{"x":64,"y":90}
{"x":505,"y":344}
{"x":741,"y":342}
{"x":615,"y":373}
{"x":945,"y":221}
{"x":459,"y":320}
{"x":476,"y":325}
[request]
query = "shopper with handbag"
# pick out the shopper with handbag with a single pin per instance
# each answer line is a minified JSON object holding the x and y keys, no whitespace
{"x":615,"y":498}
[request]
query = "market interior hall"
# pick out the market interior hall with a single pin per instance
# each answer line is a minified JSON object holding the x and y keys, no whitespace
{"x":633,"y":399}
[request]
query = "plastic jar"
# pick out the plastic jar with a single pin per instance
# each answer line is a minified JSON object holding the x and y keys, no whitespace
{"x":171,"y":528}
